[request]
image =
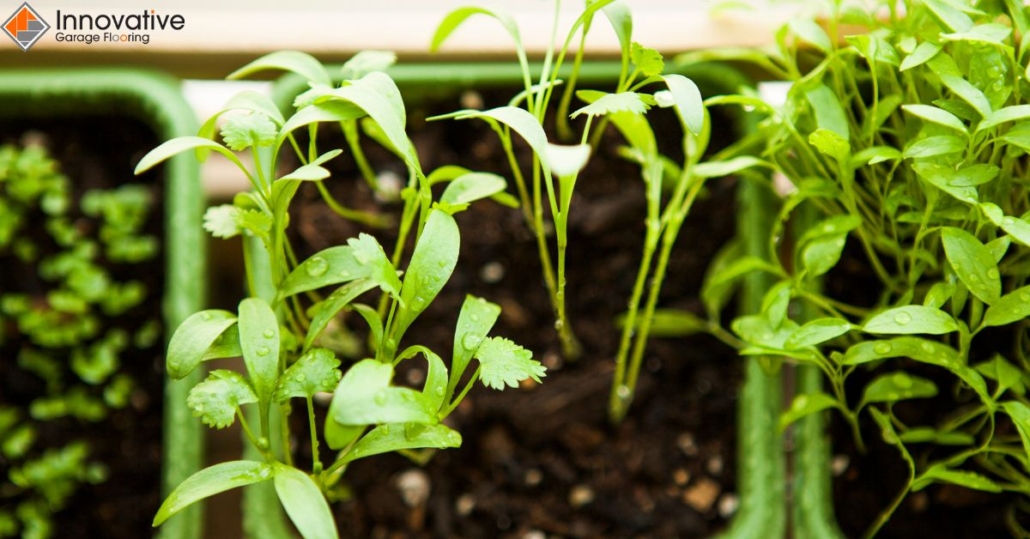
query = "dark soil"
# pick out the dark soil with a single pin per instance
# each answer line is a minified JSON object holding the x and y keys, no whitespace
{"x":544,"y":459}
{"x":98,"y":153}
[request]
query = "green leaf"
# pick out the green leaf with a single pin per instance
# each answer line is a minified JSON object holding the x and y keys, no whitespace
{"x":928,"y":435}
{"x":911,"y":319}
{"x":965,"y":90}
{"x":631,"y":102}
{"x":934,"y":146}
{"x":648,"y":61}
{"x":974,"y":175}
{"x":193,"y":338}
{"x":316,"y":371}
{"x":178,"y":145}
{"x":432,"y":263}
{"x":1006,"y":374}
{"x":306,"y":173}
{"x":210,"y":481}
{"x":923,"y":53}
{"x":259,"y":340}
{"x":973,"y":263}
{"x":831,"y":144}
{"x":216,"y":399}
{"x":981,"y":34}
{"x":520,"y":121}
{"x":1018,"y":229}
{"x":1020,"y":414}
{"x":361,"y":258}
{"x":387,"y":438}
{"x":567,"y":161}
{"x":472,"y":186}
{"x":247,"y":100}
{"x":893,"y":387}
{"x":332,"y":305}
{"x":941,"y":177}
{"x":297,"y":62}
{"x":621,"y":19}
{"x":719,"y":284}
{"x":937,"y":116}
{"x":364,"y":397}
{"x":829,"y":114}
{"x":688,"y":101}
{"x":248,"y":130}
{"x":716,"y":169}
{"x":939,"y":473}
{"x":817,"y":332}
{"x":435,"y":388}
{"x":949,"y":16}
{"x":822,"y":254}
{"x":326,"y":111}
{"x":671,"y":323}
{"x":475,"y":320}
{"x":455,"y":18}
{"x":304,"y":503}
{"x":804,"y":405}
{"x":1008,"y":309}
{"x":377,"y":94}
{"x":1004,"y":115}
{"x":811,"y":33}
{"x":365,"y":62}
{"x":776,"y":301}
{"x":502,"y":362}
{"x":220,"y":221}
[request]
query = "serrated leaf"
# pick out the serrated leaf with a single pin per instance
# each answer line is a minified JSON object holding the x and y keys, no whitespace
{"x":922,"y":53}
{"x":316,"y":371}
{"x":934,"y":146}
{"x":248,"y":130}
{"x":304,"y":503}
{"x":210,"y":481}
{"x":939,"y":473}
{"x":216,"y":399}
{"x":811,"y":33}
{"x":472,"y":186}
{"x":254,"y":222}
{"x":911,"y":319}
{"x":1017,"y":229}
{"x":476,"y":319}
{"x":259,"y":341}
{"x":365,"y":62}
{"x":297,"y":62}
{"x":804,"y":405}
{"x":220,"y":221}
{"x":631,"y":102}
{"x":193,"y":338}
{"x":432,"y":263}
{"x":689,"y":104}
{"x":364,"y":397}
{"x":816,"y":332}
{"x":504,"y":363}
{"x":896,"y":386}
{"x":973,"y":263}
{"x":361,"y":258}
{"x":388,"y":438}
{"x":1008,"y":309}
{"x":936,"y":115}
{"x":332,"y":305}
{"x":648,"y":61}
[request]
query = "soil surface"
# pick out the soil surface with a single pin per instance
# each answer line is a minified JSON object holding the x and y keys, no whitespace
{"x":98,"y":153}
{"x":544,"y":460}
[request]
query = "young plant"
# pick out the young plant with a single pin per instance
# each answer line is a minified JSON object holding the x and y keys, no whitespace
{"x":908,"y":141}
{"x":59,"y":305}
{"x":278,"y":333}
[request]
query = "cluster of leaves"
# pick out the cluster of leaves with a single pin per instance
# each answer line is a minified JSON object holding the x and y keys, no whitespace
{"x":281,"y":330}
{"x":909,"y":142}
{"x":57,"y":312}
{"x":671,"y":187}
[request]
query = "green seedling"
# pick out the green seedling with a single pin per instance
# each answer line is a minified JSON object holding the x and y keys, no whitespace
{"x":60,"y":327}
{"x":907,"y":142}
{"x":279,"y":333}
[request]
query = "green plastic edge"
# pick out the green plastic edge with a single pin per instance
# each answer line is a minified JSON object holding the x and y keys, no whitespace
{"x":156,"y":99}
{"x":811,"y":484}
{"x":762,"y":467}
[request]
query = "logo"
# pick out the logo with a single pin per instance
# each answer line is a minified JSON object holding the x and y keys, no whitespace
{"x":25,"y":27}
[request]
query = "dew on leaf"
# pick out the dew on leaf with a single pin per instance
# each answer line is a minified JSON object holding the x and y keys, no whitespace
{"x":883,"y":348}
{"x":317,"y":266}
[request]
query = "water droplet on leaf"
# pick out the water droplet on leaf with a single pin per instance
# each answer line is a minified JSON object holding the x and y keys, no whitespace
{"x":263,"y":351}
{"x":317,"y":266}
{"x":470,"y":341}
{"x":902,"y":318}
{"x":883,"y":348}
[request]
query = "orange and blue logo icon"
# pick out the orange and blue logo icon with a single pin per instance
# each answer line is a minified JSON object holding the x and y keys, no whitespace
{"x":25,"y":26}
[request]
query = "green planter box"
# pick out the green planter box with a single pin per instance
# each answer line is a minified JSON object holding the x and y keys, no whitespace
{"x":155,"y":100}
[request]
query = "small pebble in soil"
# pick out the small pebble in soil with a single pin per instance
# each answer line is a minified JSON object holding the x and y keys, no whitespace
{"x":491,"y":272}
{"x":919,"y":502}
{"x":390,"y":184}
{"x":681,"y":476}
{"x":552,"y":360}
{"x":839,"y":464}
{"x":464,"y":505}
{"x":686,"y":444}
{"x":533,"y":477}
{"x":534,"y":534}
{"x":702,"y":495}
{"x":471,"y":99}
{"x":414,"y":487}
{"x":728,"y":505}
{"x":415,"y":376}
{"x":714,"y":465}
{"x":580,"y":495}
